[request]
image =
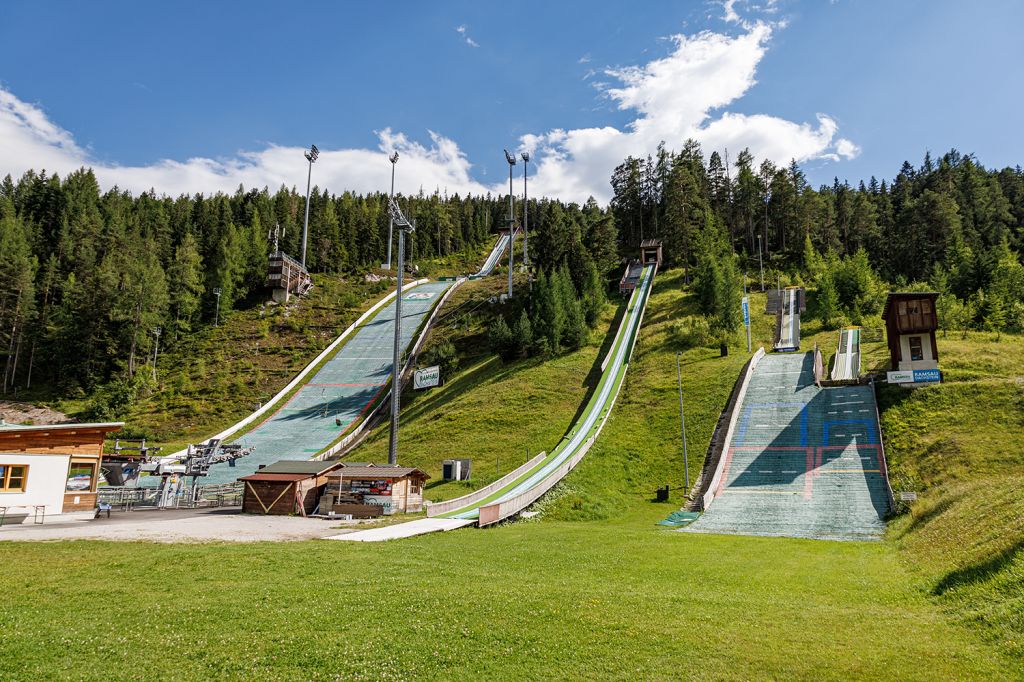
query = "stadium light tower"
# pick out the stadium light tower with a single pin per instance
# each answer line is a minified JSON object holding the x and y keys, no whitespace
{"x":311,"y":156}
{"x":526,"y":229}
{"x":404,"y":227}
{"x":511,"y":220}
{"x":391,"y":223}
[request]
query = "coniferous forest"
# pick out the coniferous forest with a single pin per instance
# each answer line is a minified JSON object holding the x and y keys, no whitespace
{"x":87,"y":273}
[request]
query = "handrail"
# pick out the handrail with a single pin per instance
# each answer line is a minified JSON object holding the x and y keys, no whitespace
{"x":435,"y":508}
{"x":716,"y":480}
{"x":223,"y":435}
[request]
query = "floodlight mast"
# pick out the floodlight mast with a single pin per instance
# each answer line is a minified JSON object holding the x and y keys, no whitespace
{"x":391,"y":223}
{"x":404,"y":226}
{"x":526,"y":230}
{"x":511,"y":220}
{"x":311,"y":156}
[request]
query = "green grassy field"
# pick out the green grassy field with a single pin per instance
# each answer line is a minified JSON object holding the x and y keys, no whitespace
{"x":591,"y":588}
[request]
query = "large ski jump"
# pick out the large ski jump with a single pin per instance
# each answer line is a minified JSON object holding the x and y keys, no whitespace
{"x":339,"y":394}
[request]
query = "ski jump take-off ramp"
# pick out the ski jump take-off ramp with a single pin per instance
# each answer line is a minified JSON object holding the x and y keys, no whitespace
{"x":514,"y":492}
{"x":847,"y":364}
{"x":788,"y":333}
{"x":344,"y":389}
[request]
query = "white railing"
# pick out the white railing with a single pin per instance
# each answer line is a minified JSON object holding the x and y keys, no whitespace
{"x":438,"y":508}
{"x":223,"y":435}
{"x":716,"y":480}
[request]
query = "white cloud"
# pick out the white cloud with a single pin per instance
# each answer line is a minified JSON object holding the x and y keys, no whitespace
{"x":681,"y":95}
{"x":30,"y":140}
{"x":462,"y":29}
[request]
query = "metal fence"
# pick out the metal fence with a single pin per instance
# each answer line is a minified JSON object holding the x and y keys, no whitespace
{"x":214,"y":495}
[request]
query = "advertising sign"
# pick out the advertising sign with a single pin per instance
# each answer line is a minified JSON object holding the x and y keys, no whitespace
{"x":916,"y":376}
{"x":426,"y":377}
{"x":746,"y":310}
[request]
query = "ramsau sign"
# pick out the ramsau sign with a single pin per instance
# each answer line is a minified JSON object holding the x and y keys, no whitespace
{"x":426,"y":377}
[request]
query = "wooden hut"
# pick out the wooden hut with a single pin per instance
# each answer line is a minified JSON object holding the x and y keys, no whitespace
{"x":286,"y":487}
{"x":910,"y":324}
{"x":376,"y":489}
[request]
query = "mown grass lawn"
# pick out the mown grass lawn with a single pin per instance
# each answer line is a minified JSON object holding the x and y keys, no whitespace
{"x":550,"y":600}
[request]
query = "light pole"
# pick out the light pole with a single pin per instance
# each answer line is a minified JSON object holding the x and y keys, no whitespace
{"x":156,"y":348}
{"x":760,"y":260}
{"x":391,"y":221}
{"x":682,"y":421}
{"x":404,"y":226}
{"x":511,"y":220}
{"x":526,"y":230}
{"x":311,"y":156}
{"x":216,"y":315}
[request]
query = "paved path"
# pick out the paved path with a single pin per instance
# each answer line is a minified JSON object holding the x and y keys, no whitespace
{"x":180,"y":525}
{"x":403,"y":530}
{"x":341,"y":390}
{"x":804,"y":461}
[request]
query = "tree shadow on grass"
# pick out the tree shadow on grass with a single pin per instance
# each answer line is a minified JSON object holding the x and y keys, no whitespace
{"x":978,"y":572}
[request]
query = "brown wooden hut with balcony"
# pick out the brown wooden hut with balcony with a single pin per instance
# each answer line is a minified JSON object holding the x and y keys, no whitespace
{"x":910,"y":324}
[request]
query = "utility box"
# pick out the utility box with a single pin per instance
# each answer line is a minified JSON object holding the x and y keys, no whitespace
{"x":455,"y":469}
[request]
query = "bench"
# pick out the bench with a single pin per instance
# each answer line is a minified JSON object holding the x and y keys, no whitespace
{"x":38,"y":512}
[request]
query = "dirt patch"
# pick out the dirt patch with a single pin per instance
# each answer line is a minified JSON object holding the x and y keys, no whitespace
{"x":27,"y":413}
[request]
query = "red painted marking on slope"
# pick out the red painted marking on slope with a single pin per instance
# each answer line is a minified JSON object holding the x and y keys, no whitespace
{"x":795,"y":448}
{"x":725,"y":471}
{"x":809,"y":474}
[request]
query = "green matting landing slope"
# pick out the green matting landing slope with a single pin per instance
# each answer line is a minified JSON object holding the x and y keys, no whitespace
{"x":803,"y":461}
{"x":339,"y":394}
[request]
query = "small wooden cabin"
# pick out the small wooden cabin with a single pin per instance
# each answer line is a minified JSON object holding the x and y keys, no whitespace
{"x":52,"y":470}
{"x":286,"y":487}
{"x":650,"y":252}
{"x":396,"y":489}
{"x":910,"y":324}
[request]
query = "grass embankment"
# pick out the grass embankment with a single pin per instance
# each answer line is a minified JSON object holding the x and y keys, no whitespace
{"x":223,"y":373}
{"x":498,"y":415}
{"x":959,"y":445}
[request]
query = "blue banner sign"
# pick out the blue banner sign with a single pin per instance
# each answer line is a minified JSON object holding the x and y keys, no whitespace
{"x":746,"y":311}
{"x":922,"y":376}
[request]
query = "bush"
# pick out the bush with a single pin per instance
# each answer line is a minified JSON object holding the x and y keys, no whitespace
{"x":444,"y":356}
{"x":692,"y":332}
{"x":499,"y":338}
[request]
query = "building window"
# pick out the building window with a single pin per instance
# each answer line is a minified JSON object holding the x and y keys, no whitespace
{"x":81,"y":476}
{"x":13,"y":477}
{"x":915,"y":349}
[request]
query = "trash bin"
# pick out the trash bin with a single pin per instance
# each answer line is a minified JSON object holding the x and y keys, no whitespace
{"x":661,"y":494}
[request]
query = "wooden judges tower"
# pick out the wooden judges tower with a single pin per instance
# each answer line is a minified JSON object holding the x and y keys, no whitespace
{"x":286,"y":276}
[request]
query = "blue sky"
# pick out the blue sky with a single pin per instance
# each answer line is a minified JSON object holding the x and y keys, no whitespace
{"x":201,"y":96}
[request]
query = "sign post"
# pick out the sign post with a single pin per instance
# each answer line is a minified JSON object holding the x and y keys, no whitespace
{"x":746,"y":318}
